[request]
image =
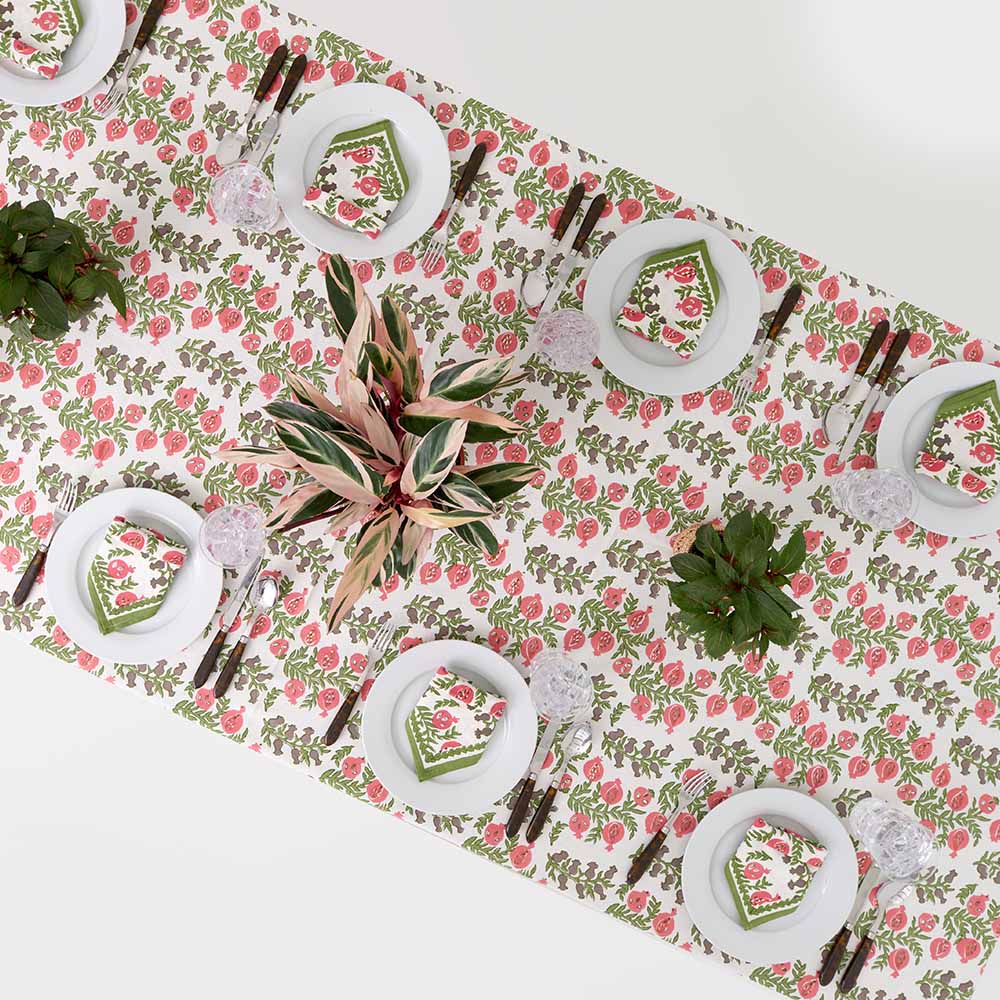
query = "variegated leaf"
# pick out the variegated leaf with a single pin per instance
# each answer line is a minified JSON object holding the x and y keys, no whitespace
{"x":501,"y":479}
{"x":280,"y":458}
{"x":467,"y":381}
{"x":307,"y":394}
{"x":351,"y":514}
{"x":425,"y":414}
{"x":430,"y":517}
{"x":402,"y":346}
{"x":345,"y":292}
{"x":301,"y":504}
{"x":479,"y":535}
{"x":374,"y":543}
{"x":461,"y":492}
{"x":432,"y":459}
{"x":329,"y":423}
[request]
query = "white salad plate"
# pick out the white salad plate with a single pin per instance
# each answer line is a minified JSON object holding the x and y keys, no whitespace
{"x":726,"y":338}
{"x":397,"y":690}
{"x":827,"y":902}
{"x":191,"y":599}
{"x":85,"y":63}
{"x":904,"y":428}
{"x":422,"y":146}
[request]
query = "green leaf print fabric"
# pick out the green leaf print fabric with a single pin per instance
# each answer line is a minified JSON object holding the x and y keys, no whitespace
{"x":451,"y":726}
{"x":962,"y":447}
{"x":361,"y":180}
{"x":35,"y":34}
{"x":130,"y":574}
{"x":771,"y":872}
{"x":673,"y":298}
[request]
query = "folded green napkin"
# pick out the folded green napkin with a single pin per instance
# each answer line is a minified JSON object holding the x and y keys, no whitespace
{"x":963,"y":446}
{"x":35,"y":34}
{"x":450,"y":727}
{"x":130,"y":574}
{"x":771,"y":871}
{"x":361,"y":180}
{"x":673,"y":298}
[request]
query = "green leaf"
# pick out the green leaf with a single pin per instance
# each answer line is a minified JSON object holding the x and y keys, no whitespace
{"x":47,"y":305}
{"x":62,"y":270}
{"x":41,"y":210}
{"x":698,"y":621}
{"x":706,"y":589}
{"x":772,"y":615}
{"x":44,"y":332}
{"x":724,"y":570}
{"x":739,"y":531}
{"x":12,"y":292}
{"x":751,"y":557}
{"x":709,"y":541}
{"x":84,"y":288}
{"x":684,"y":601}
{"x":779,"y":597}
{"x":763,"y":528}
{"x":112,"y":286}
{"x":718,"y":641}
{"x":479,"y":536}
{"x":689,"y":567}
{"x":36,"y":261}
{"x":28,"y":223}
{"x":791,"y":556}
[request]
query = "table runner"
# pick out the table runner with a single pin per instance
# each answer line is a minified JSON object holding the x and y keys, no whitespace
{"x":891,"y":688}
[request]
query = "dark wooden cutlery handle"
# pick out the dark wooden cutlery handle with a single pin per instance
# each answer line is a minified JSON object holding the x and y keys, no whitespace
{"x":468,"y":177}
{"x":850,"y":977}
{"x":153,"y":12}
{"x":537,"y":823}
{"x":340,"y":719}
{"x":271,"y":72}
{"x":229,"y":670}
{"x":207,"y":664}
{"x":872,"y":348}
{"x":520,"y":808}
{"x":787,"y":307}
{"x":566,"y":216}
{"x":834,"y":956}
{"x":892,"y":356}
{"x":590,"y":220}
{"x":30,"y":575}
{"x":291,"y":82}
{"x":645,"y":859}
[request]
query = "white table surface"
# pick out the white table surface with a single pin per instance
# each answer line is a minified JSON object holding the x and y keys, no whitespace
{"x":141,"y":856}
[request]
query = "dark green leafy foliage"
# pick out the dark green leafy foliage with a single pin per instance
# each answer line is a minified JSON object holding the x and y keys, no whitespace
{"x":50,"y":275}
{"x":730,"y":588}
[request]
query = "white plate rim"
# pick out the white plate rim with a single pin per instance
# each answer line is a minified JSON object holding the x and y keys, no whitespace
{"x":108,"y":43}
{"x":939,"y":381}
{"x":760,"y":945}
{"x":440,"y":798}
{"x":356,"y":99}
{"x":741,"y":288}
{"x":76,"y":620}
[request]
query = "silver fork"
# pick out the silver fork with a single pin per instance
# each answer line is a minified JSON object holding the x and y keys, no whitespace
{"x":67,"y":502}
{"x":691,"y":789}
{"x":378,"y":648}
{"x":767,"y":346}
{"x":439,"y":241}
{"x":112,"y":100}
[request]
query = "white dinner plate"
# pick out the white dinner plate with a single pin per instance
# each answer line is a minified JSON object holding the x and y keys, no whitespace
{"x":399,"y":687}
{"x":422,"y":146}
{"x":826,"y":904}
{"x":191,"y":599}
{"x":723,"y":343}
{"x":85,"y":64}
{"x":904,"y":428}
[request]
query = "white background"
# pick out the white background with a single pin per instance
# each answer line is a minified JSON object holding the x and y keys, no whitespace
{"x":142,"y":857}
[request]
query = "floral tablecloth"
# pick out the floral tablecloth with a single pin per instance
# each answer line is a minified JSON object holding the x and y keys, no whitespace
{"x":892,"y":688}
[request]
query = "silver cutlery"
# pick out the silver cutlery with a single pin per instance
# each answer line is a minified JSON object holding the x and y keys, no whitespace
{"x":691,"y":789}
{"x":837,"y":419}
{"x":875,"y":395}
{"x":264,"y":596}
{"x":850,"y":977}
{"x":232,"y":608}
{"x":256,"y":150}
{"x":65,"y":507}
{"x":112,"y":100}
{"x":535,"y":284}
{"x":576,"y":742}
{"x":439,"y":240}
{"x":838,"y":946}
{"x":588,"y":225}
{"x":767,"y":346}
{"x":523,"y":800}
{"x":377,"y":649}
{"x":233,"y":142}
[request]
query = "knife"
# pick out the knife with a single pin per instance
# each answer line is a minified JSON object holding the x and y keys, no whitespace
{"x":837,"y":419}
{"x":835,"y":954}
{"x":875,"y":395}
{"x":233,"y":142}
{"x":257,"y":150}
{"x":520,"y":807}
{"x":590,"y":220}
{"x":850,"y":977}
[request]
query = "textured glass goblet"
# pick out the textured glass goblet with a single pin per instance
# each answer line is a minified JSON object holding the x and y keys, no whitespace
{"x":567,"y":340}
{"x":882,"y":498}
{"x":233,"y":536}
{"x":244,"y":198}
{"x":899,"y":845}
{"x":560,"y":686}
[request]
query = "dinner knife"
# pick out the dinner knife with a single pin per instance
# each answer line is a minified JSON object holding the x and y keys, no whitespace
{"x":233,"y":142}
{"x":850,"y":977}
{"x":837,"y":419}
{"x":535,"y":287}
{"x":875,"y":395}
{"x":590,"y":221}
{"x":520,"y":807}
{"x":838,"y":946}
{"x":256,"y":151}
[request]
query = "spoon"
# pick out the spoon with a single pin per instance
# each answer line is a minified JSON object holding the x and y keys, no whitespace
{"x":535,"y":284}
{"x":264,"y":595}
{"x":577,"y":741}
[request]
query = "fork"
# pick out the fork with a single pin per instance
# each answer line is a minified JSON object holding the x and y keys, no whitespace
{"x":378,"y":648}
{"x":112,"y":100}
{"x":691,"y":788}
{"x":767,"y":346}
{"x":439,"y":241}
{"x":67,"y":501}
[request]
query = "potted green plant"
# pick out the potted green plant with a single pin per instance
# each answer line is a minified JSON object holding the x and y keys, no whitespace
{"x":50,"y":273}
{"x":730,"y":589}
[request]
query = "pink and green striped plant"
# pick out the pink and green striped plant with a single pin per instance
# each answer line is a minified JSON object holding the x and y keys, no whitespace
{"x":389,"y":456}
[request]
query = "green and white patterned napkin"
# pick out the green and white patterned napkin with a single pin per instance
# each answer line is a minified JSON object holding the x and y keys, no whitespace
{"x":673,"y":298}
{"x":361,"y":180}
{"x":771,"y":872}
{"x":963,"y":446}
{"x":450,"y":727}
{"x":130,"y":574}
{"x":35,"y":34}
